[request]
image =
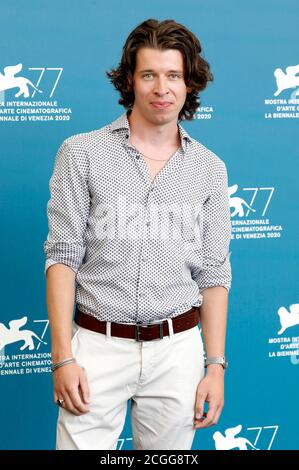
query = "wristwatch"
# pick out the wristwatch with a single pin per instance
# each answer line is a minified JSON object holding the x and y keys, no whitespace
{"x":216,"y":360}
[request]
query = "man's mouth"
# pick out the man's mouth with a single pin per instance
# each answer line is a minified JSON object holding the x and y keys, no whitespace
{"x":160,"y":104}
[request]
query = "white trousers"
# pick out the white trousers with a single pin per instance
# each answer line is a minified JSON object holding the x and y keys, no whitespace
{"x":160,"y":377}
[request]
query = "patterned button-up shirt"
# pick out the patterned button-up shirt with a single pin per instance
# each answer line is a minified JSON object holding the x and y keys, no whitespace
{"x":142,"y":250}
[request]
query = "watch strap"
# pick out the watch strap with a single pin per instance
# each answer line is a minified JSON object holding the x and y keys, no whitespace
{"x":216,"y":360}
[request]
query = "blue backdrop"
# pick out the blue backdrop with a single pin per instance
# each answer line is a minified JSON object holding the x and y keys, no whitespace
{"x":249,"y":117}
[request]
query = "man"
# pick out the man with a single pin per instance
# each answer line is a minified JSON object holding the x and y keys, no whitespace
{"x":139,"y":233}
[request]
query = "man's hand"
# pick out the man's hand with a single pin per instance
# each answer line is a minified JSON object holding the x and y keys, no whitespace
{"x":70,"y":383}
{"x":210,"y":390}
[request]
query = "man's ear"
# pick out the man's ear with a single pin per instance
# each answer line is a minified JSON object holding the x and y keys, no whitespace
{"x":189,"y":89}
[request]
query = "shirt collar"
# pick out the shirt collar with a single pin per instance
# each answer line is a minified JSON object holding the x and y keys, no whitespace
{"x":122,"y":123}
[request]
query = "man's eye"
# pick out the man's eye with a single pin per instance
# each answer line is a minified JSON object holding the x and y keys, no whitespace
{"x":174,"y":75}
{"x":147,"y":75}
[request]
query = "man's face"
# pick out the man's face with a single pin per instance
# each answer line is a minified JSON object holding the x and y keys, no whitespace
{"x":159,"y":87}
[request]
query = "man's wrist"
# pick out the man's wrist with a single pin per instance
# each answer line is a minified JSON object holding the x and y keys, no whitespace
{"x":61,"y":355}
{"x":68,"y":360}
{"x":215,"y":369}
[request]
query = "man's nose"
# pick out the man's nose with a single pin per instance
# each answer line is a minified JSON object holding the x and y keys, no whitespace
{"x":161,"y":86}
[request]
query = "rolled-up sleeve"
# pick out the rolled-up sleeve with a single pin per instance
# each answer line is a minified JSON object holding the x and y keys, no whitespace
{"x":68,"y":208}
{"x":216,"y":236}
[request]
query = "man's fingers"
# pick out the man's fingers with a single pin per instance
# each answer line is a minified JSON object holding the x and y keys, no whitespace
{"x":210,"y":418}
{"x":199,"y":405}
{"x":68,"y":404}
{"x":84,"y":389}
{"x":77,"y":401}
{"x":217,"y":416}
{"x":71,"y":404}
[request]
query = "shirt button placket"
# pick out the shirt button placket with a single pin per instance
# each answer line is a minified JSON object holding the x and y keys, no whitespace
{"x":143,"y":259}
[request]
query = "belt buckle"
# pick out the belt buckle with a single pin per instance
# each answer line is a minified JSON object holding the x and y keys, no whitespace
{"x":138,"y":332}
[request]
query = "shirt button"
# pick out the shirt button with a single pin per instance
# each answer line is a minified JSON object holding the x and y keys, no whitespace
{"x":137,"y":157}
{"x":152,"y":189}
{"x":148,"y":224}
{"x":127,"y":136}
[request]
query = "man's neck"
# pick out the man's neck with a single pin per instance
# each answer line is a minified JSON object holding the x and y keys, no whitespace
{"x":151,"y":134}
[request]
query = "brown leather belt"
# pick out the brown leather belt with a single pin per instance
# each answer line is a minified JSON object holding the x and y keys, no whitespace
{"x":140,"y":331}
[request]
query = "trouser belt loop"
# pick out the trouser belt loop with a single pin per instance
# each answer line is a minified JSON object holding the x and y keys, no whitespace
{"x":108,"y":330}
{"x":170,"y":328}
